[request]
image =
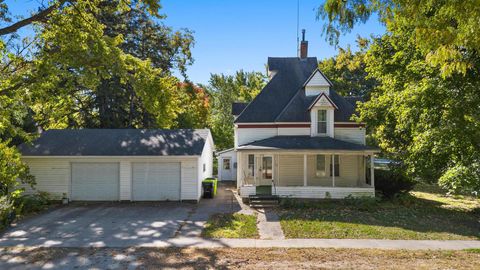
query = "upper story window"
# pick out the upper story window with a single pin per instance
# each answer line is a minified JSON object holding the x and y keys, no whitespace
{"x":322,"y":122}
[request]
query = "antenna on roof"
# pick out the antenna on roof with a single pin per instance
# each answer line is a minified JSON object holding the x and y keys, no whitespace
{"x":298,"y":27}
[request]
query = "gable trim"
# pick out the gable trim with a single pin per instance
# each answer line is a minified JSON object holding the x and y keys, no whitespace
{"x":318,"y":98}
{"x":313,"y":74}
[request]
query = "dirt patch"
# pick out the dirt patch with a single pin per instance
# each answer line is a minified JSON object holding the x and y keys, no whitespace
{"x":229,"y":258}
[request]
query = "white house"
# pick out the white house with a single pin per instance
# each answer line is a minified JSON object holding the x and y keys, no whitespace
{"x":297,"y":137}
{"x":121,"y":164}
{"x":227,"y":165}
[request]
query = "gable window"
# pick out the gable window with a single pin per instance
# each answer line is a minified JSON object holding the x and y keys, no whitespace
{"x":226,"y":164}
{"x":251,"y":165}
{"x":320,"y":166}
{"x":336,"y":161}
{"x":322,"y":121}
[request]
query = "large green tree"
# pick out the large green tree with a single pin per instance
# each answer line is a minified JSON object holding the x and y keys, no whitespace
{"x":224,"y":90}
{"x":67,"y":72}
{"x":425,"y":109}
{"x":347,"y":71}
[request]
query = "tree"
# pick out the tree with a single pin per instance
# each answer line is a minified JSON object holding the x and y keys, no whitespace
{"x":347,"y":72}
{"x":52,"y":78}
{"x":195,"y":108}
{"x":226,"y":89}
{"x":430,"y":123}
{"x":443,"y":31}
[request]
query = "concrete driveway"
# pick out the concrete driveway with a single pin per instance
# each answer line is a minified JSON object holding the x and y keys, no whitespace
{"x":117,"y":224}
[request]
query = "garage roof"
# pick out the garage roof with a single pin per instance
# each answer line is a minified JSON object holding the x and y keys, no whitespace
{"x":117,"y":142}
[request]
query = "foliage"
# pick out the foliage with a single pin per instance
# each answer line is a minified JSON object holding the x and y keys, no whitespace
{"x":195,"y":108}
{"x":445,"y":32}
{"x":7,"y":211}
{"x":462,"y":179}
{"x":347,"y":71}
{"x":231,"y":226}
{"x":224,"y":90}
{"x":32,"y":203}
{"x":392,"y":182}
{"x":11,"y":169}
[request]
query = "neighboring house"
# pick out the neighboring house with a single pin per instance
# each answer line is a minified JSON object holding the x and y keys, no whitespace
{"x":121,"y":164}
{"x":227,"y":165}
{"x":297,"y":136}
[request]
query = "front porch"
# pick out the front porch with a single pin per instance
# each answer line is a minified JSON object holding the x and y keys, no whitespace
{"x":306,"y":174}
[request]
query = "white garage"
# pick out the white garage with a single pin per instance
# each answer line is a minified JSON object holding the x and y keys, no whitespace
{"x":95,"y":182}
{"x":156,"y":181}
{"x":121,"y":164}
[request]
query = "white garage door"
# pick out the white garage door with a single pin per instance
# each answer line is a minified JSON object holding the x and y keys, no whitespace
{"x":95,"y":181}
{"x":156,"y":181}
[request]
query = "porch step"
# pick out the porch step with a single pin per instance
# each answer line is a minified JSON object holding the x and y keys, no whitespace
{"x":262,"y":201}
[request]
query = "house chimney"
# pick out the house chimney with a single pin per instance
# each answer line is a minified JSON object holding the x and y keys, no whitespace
{"x":303,"y":46}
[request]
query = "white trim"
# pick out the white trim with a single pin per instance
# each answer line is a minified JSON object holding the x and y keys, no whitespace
{"x":321,"y":73}
{"x":225,"y":151}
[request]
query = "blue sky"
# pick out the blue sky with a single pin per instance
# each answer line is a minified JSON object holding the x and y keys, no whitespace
{"x":232,"y":34}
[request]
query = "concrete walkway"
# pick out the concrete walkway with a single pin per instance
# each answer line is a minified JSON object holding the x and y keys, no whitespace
{"x":268,"y":224}
{"x":196,"y":242}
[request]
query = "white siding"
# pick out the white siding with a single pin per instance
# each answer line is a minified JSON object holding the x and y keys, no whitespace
{"x":354,"y":135}
{"x":321,"y":192}
{"x":233,"y":159}
{"x":125,"y":180}
{"x":290,"y":170}
{"x":53,"y":175}
{"x":247,"y":135}
{"x":190,"y":185}
{"x":316,"y":90}
{"x":293,"y":131}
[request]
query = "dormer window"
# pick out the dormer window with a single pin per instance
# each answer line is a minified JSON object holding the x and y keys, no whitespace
{"x":322,"y":122}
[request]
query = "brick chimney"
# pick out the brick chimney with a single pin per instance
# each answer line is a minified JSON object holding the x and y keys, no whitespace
{"x":303,"y":46}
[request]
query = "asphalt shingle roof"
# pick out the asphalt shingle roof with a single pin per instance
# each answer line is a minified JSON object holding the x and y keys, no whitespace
{"x":117,"y":142}
{"x":304,"y":143}
{"x":238,"y":107}
{"x":283,"y":99}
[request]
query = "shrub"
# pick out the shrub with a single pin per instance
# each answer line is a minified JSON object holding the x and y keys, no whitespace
{"x":393,"y":181}
{"x":462,"y":179}
{"x":362,"y":203}
{"x":7,"y":211}
{"x":33,"y":203}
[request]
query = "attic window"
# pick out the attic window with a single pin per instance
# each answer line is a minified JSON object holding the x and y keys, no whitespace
{"x":322,"y":122}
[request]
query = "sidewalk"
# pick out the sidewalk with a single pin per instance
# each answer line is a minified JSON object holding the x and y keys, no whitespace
{"x":196,"y":242}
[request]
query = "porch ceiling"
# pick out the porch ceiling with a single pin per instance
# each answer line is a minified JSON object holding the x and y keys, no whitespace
{"x":305,"y":143}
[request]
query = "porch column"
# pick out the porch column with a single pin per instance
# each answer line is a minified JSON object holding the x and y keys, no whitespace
{"x":372,"y":170}
{"x":333,"y":170}
{"x":305,"y":170}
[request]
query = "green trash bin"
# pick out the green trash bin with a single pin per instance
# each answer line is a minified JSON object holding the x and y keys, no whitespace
{"x":214,"y":181}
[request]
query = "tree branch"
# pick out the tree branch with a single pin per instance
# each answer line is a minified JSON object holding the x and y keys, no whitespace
{"x":40,"y":16}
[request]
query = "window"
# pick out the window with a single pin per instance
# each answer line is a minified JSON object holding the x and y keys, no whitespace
{"x":336,"y":161}
{"x":204,"y":167}
{"x":226,"y":164}
{"x":251,"y":165}
{"x":320,"y":166}
{"x":322,"y":122}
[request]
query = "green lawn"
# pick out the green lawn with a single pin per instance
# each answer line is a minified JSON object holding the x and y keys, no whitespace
{"x":231,"y":226}
{"x":425,"y":215}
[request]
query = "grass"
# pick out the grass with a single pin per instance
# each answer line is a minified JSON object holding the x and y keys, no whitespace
{"x":231,"y":226}
{"x":237,"y":258}
{"x":422,"y":215}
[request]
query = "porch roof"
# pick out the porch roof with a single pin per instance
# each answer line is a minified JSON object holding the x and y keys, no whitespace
{"x":305,"y":143}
